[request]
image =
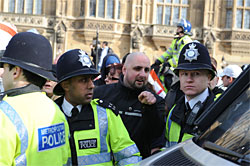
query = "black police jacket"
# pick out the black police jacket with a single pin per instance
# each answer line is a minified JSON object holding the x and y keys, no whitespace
{"x":143,"y":122}
{"x":180,"y":113}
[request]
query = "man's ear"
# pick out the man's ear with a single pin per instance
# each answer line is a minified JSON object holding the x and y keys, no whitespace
{"x":65,"y":85}
{"x":231,"y":80}
{"x":17,"y":72}
{"x":124,"y":70}
{"x":210,"y":77}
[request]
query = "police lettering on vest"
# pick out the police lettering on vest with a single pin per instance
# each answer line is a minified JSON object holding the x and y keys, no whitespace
{"x":87,"y":143}
{"x":51,"y":137}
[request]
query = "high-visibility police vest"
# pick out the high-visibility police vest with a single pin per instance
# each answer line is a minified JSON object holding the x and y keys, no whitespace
{"x":33,"y":131}
{"x":172,"y":53}
{"x":173,"y":131}
{"x":93,"y":147}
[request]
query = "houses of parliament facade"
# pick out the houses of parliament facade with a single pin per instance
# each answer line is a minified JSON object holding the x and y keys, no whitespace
{"x":149,"y":26}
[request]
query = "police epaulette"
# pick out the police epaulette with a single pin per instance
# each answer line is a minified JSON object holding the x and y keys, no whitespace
{"x":108,"y":105}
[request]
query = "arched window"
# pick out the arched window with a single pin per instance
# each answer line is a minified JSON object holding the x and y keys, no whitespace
{"x":170,"y":11}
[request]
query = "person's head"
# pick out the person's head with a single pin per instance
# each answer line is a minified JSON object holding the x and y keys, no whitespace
{"x":136,"y":70}
{"x":183,"y":27}
{"x":114,"y":72}
{"x":112,"y":69}
{"x":212,"y":84}
{"x":75,"y":73}
{"x":229,"y":74}
{"x":194,"y":69}
{"x":105,"y":44}
{"x":7,"y":31}
{"x":108,"y":60}
{"x":124,"y":58}
{"x":49,"y":85}
{"x":27,"y":60}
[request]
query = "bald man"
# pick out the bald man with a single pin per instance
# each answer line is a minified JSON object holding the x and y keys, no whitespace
{"x":141,"y":110}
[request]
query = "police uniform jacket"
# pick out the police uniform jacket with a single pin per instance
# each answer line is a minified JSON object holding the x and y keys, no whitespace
{"x":33,"y":129}
{"x":177,"y":130}
{"x":96,"y":132}
{"x":143,"y":122}
{"x":172,"y":53}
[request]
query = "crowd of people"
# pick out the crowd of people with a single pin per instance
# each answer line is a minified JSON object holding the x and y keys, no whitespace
{"x":98,"y":109}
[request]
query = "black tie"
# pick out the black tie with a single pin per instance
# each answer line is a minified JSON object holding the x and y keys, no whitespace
{"x":74,"y":112}
{"x":188,"y":107}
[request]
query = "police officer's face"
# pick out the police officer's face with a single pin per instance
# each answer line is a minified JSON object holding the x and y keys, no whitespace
{"x":194,"y":82}
{"x":79,"y":89}
{"x":136,"y":72}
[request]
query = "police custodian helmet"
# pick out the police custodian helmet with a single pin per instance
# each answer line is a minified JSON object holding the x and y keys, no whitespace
{"x":73,"y":63}
{"x":31,"y":52}
{"x":194,"y":56}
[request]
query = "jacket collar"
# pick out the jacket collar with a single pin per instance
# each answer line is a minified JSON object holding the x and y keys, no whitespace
{"x":26,"y":89}
{"x":179,"y":109}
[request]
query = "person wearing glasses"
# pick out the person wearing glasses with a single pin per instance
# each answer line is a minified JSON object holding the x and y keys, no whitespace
{"x":109,"y":62}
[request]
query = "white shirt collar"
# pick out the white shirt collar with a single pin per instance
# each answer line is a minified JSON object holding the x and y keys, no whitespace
{"x":67,"y":107}
{"x":201,"y":97}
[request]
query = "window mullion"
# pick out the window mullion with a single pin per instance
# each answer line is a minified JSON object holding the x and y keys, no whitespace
{"x":34,"y":7}
{"x":172,"y":16}
{"x":163,"y":15}
{"x":105,"y":8}
{"x":96,"y":8}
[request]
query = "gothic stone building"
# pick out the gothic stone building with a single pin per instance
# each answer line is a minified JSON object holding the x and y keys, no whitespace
{"x":136,"y":25}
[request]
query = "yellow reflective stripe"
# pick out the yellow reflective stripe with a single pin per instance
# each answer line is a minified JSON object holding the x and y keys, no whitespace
{"x":173,"y":131}
{"x":94,"y":159}
{"x":217,"y":96}
{"x":186,"y":136}
{"x":21,"y":129}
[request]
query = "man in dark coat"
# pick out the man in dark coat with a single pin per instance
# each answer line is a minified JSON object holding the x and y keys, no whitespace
{"x":141,"y":110}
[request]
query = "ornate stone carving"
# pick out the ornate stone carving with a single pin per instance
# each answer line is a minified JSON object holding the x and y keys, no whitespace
{"x":101,"y":26}
{"x":126,"y":28}
{"x":241,"y":36}
{"x":209,"y":38}
{"x":77,"y":24}
{"x":136,"y":35}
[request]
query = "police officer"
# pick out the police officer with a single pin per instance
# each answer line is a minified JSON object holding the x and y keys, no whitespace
{"x":7,"y":31}
{"x":195,"y":72}
{"x":172,"y":54}
{"x":33,"y":129}
{"x":96,"y":129}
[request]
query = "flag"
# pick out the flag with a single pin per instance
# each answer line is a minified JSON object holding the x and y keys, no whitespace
{"x":154,"y":80}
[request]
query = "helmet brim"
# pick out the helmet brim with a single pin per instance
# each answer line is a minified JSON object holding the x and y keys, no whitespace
{"x":58,"y":90}
{"x":44,"y":73}
{"x":194,"y":66}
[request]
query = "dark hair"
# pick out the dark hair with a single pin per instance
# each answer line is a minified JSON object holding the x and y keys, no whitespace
{"x":31,"y":77}
{"x":106,"y":43}
{"x":124,"y":58}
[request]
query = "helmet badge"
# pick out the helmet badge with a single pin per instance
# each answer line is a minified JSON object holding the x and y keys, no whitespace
{"x":191,"y":53}
{"x":84,"y":59}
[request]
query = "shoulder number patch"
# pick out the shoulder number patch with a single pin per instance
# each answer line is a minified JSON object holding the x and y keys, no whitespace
{"x":51,"y":137}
